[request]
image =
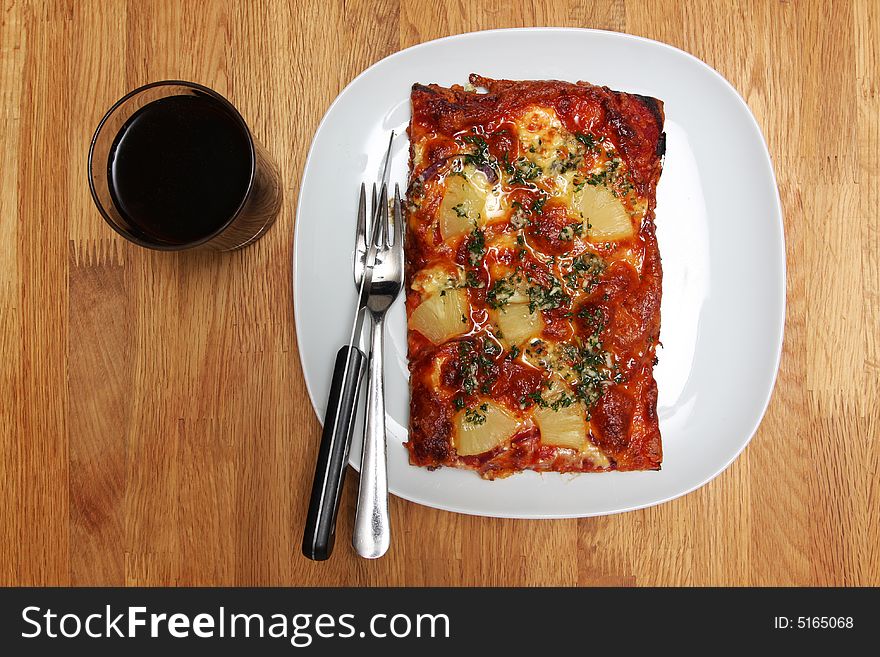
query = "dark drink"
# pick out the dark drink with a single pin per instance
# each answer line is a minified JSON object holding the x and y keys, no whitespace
{"x":180,"y":168}
{"x":174,"y":166}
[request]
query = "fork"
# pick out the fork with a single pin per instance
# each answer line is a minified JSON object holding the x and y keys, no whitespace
{"x":320,"y":528}
{"x":372,"y":530}
{"x":360,"y":239}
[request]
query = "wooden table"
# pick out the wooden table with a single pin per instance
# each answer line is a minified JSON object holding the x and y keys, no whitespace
{"x":155,"y":427}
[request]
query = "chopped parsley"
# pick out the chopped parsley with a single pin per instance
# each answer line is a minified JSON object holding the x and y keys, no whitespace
{"x":568,"y":232}
{"x":460,"y":211}
{"x":467,"y":366}
{"x":607,"y":175}
{"x":519,"y":218}
{"x":508,"y":167}
{"x":594,"y":318}
{"x":585,"y":271}
{"x":588,"y":140}
{"x":536,"y":347}
{"x":591,"y":381}
{"x":473,"y":416}
{"x":523,"y":170}
{"x":585,"y":366}
{"x":491,"y":349}
{"x":563,"y":401}
{"x":477,"y":246}
{"x":481,"y":156}
{"x":471,"y":280}
{"x":474,"y":364}
{"x":591,"y":362}
{"x":547,"y":298}
{"x":538,"y":204}
{"x":536,"y":398}
{"x":571,"y":162}
{"x":502,"y":290}
{"x":588,"y":263}
{"x":596,"y":179}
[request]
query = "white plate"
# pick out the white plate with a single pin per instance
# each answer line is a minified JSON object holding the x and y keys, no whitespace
{"x":719,"y":225}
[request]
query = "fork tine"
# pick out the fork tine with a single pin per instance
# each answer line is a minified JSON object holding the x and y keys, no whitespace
{"x":376,"y":214}
{"x":398,"y":218}
{"x":374,"y":238}
{"x":382,"y":216}
{"x":386,"y":226}
{"x":360,"y":239}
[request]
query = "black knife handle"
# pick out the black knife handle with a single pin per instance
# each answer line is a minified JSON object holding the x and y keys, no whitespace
{"x":320,"y":530}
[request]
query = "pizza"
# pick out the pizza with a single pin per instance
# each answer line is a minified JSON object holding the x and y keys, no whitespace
{"x":533,"y":277}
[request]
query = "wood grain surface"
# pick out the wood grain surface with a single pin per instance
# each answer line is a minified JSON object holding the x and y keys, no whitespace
{"x":154,"y":423}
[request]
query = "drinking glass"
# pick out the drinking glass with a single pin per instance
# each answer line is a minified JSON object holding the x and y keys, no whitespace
{"x":174,"y":166}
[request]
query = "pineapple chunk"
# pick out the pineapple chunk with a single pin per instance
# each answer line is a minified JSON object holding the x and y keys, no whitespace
{"x":442,"y":316}
{"x":483,"y":428}
{"x":566,"y":427}
{"x":605,"y":218}
{"x":464,"y":204}
{"x":517,"y":324}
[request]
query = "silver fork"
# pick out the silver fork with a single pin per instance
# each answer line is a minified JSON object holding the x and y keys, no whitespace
{"x":372,"y":530}
{"x":360,"y":238}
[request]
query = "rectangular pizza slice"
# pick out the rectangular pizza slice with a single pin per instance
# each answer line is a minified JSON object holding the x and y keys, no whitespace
{"x":533,"y":277}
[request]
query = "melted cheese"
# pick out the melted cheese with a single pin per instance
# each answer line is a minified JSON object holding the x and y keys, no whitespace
{"x":549,"y":355}
{"x":562,"y":186}
{"x":432,"y":378}
{"x":502,"y":241}
{"x":541,"y":136}
{"x":595,"y":455}
{"x":418,"y":154}
{"x":443,"y":276}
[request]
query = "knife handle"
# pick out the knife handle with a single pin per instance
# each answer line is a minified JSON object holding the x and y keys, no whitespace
{"x":320,"y":529}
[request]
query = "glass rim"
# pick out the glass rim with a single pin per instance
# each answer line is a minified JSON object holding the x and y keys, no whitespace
{"x":251,"y":149}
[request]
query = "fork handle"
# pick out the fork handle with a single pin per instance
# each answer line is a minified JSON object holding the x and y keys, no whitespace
{"x":372,"y":530}
{"x":320,"y":530}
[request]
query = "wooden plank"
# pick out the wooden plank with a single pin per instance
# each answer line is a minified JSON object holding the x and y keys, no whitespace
{"x":40,"y":479}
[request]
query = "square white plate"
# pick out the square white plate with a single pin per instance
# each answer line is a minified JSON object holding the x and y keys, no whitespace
{"x":719,"y":226}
